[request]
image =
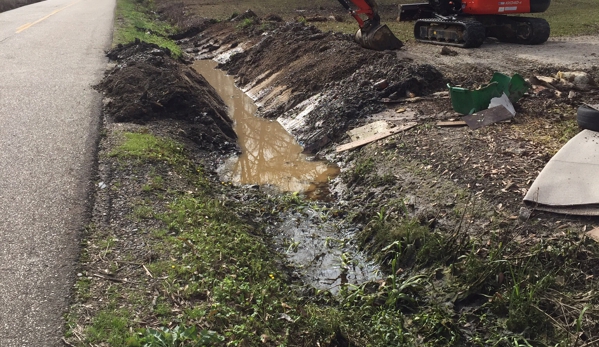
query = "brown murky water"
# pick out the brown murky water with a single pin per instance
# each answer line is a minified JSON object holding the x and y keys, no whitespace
{"x":270,"y":155}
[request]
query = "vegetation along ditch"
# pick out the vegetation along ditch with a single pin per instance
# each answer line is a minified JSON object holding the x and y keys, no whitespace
{"x":415,"y":240}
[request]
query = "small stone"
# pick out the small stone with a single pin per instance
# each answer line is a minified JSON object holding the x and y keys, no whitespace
{"x":448,"y":51}
{"x":380,"y":85}
{"x":524,"y":214}
{"x":79,"y":274}
{"x":246,"y":15}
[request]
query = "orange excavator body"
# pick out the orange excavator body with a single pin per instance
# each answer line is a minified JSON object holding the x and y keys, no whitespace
{"x":482,"y":7}
{"x":466,"y":23}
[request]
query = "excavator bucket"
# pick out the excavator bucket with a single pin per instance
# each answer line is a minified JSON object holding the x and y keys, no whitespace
{"x":378,"y":38}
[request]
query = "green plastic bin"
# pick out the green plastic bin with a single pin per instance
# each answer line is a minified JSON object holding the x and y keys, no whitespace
{"x":466,"y":101}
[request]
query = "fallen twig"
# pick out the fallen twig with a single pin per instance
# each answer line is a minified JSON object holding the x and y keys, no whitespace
{"x":591,"y":343}
{"x":67,"y":342}
{"x":147,"y":271}
{"x":554,"y":321}
{"x":114,"y":279}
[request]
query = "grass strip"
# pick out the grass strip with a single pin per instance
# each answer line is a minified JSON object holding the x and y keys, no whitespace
{"x":136,"y":20}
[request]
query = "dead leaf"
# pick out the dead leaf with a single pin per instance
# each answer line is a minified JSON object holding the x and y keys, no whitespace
{"x":594,"y":234}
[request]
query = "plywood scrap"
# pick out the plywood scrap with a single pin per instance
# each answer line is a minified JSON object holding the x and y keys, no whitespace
{"x":394,"y":117}
{"x":368,"y":130}
{"x":382,"y":135}
{"x":488,"y":117}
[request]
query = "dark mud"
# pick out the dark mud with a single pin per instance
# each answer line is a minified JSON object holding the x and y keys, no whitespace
{"x":304,"y":62}
{"x":148,"y":85}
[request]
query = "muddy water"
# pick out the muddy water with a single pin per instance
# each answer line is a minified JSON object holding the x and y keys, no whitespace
{"x":322,"y":249}
{"x":270,"y":155}
{"x":319,"y":246}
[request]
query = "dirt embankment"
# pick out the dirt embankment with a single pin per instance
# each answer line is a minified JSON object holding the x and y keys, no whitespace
{"x":296,"y":62}
{"x":6,"y":5}
{"x":147,"y":85}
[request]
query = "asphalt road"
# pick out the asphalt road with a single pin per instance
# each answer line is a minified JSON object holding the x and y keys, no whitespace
{"x":51,"y":54}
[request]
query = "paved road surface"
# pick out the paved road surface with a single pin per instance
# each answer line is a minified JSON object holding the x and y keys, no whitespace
{"x":51,"y":53}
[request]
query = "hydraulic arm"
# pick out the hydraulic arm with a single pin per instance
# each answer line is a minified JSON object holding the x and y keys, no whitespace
{"x":371,"y":34}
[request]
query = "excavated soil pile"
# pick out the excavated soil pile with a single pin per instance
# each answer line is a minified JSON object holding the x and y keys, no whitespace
{"x":148,"y":85}
{"x":303,"y":61}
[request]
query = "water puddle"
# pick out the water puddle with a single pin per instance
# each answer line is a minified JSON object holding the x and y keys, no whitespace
{"x":270,"y":155}
{"x":321,"y":247}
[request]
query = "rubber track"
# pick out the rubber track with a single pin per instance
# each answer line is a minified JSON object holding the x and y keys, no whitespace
{"x":474,"y":32}
{"x":540,"y":31}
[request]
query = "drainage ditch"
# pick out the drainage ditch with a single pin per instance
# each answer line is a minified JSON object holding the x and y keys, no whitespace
{"x":316,"y":241}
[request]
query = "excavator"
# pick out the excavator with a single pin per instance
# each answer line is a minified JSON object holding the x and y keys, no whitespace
{"x":460,"y":23}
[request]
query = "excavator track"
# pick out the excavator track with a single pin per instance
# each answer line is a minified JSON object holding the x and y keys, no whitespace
{"x":449,"y":32}
{"x":521,"y":30}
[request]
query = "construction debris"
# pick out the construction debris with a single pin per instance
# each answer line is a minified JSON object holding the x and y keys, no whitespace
{"x":379,"y":136}
{"x":568,"y":183}
{"x":487,"y":117}
{"x":454,"y":123}
{"x":368,"y":130}
{"x":564,"y":81}
{"x":503,"y":101}
{"x":579,"y":79}
{"x":448,"y":51}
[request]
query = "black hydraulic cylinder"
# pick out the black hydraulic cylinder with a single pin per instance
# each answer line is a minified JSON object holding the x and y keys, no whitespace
{"x":345,"y":4}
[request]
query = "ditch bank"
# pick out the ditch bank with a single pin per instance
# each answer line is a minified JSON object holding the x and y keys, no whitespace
{"x":439,"y":210}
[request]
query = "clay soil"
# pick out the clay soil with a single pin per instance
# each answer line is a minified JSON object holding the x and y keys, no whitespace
{"x":464,"y":185}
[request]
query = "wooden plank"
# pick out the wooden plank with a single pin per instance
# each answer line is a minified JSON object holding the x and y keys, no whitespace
{"x":455,"y":123}
{"x":369,"y":130}
{"x":362,"y":142}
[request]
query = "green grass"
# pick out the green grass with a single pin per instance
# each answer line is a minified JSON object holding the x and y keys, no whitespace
{"x":135,"y":20}
{"x":147,"y":147}
{"x":218,"y":272}
{"x":572,"y":17}
{"x":112,"y":327}
{"x":217,"y":280}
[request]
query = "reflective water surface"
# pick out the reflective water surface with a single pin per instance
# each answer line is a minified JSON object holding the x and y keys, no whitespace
{"x":270,"y":155}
